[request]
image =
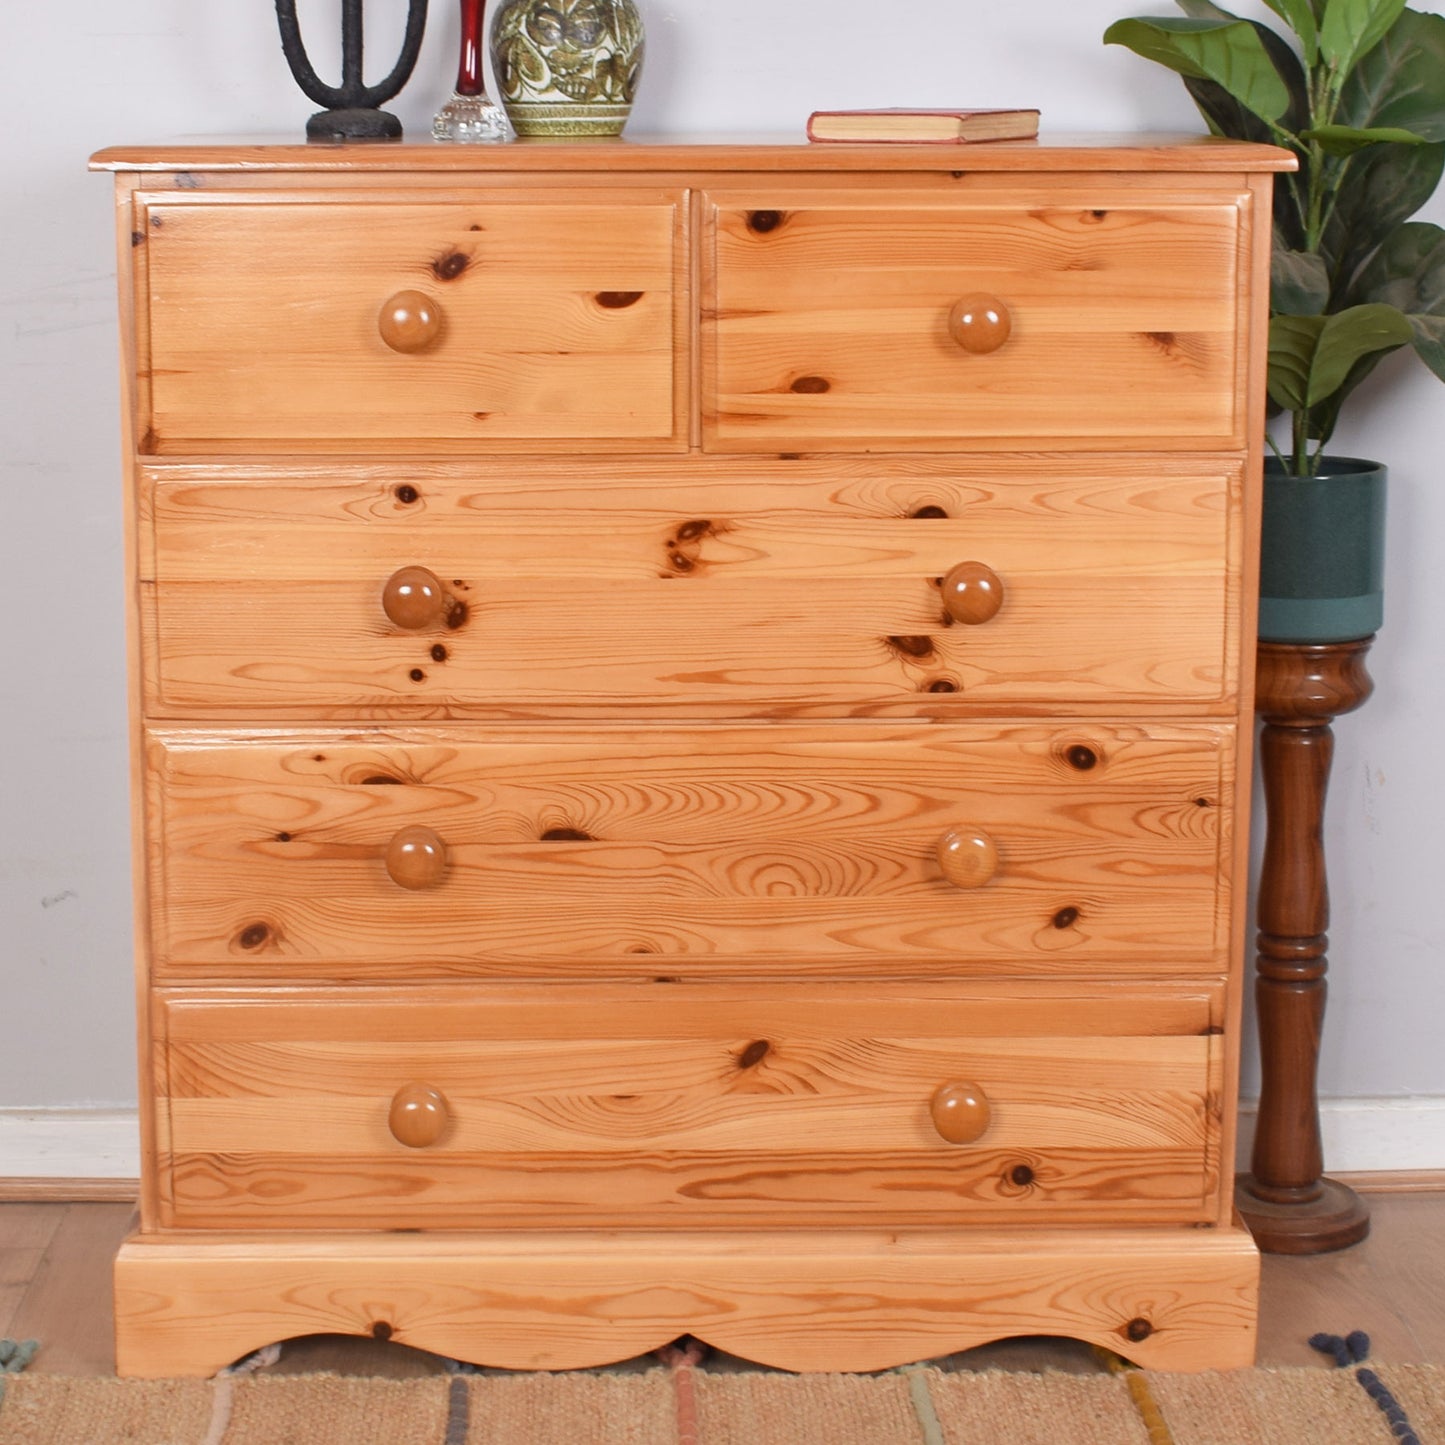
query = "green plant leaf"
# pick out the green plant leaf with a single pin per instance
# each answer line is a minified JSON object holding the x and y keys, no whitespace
{"x":1300,"y":17}
{"x":1408,"y":273}
{"x":1344,"y":140}
{"x":1401,"y":82}
{"x":1385,"y":187}
{"x":1350,"y":29}
{"x":1321,"y":420}
{"x":1225,"y":116}
{"x":1311,"y":356}
{"x":1430,"y":342}
{"x":1228,"y":52}
{"x":1348,"y":337}
{"x":1292,"y":343}
{"x":1204,"y":10}
{"x":1299,"y":284}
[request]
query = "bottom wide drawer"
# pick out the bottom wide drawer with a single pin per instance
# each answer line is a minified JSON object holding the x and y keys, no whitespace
{"x":693,"y":1104}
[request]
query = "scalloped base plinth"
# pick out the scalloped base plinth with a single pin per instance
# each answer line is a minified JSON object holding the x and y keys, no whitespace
{"x":1167,"y":1299}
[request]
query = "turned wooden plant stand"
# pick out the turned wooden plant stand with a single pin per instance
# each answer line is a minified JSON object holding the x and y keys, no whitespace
{"x":1287,"y":1203}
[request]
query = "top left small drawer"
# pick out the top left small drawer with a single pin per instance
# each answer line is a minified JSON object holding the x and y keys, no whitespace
{"x":496,"y":322}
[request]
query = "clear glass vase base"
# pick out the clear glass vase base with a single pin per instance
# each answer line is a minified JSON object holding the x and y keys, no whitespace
{"x":471,"y":119}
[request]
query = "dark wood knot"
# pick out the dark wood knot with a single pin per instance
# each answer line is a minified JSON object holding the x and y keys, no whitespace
{"x":754,"y":1054}
{"x":912,"y":646}
{"x":450,"y":266}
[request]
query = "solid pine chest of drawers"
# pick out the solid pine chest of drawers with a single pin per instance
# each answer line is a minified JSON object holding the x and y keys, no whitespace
{"x":691,"y":746}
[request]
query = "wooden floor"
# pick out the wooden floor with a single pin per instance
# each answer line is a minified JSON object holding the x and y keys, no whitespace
{"x":55,"y":1287}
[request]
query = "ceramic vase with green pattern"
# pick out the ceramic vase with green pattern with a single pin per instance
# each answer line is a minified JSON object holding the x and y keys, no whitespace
{"x":567,"y":67}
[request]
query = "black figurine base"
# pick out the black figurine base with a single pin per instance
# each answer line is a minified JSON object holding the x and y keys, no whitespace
{"x":344,"y":125}
{"x":352,"y":112}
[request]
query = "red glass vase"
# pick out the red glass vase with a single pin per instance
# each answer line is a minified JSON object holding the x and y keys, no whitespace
{"x":471,"y":115}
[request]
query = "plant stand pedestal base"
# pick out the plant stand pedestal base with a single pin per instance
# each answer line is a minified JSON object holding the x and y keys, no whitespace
{"x":1287,"y":1204}
{"x":1334,"y":1219}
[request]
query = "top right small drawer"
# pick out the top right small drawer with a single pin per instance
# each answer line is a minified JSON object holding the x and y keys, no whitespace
{"x":890,"y":321}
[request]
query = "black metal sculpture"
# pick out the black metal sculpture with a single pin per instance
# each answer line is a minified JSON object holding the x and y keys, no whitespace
{"x":352,"y":108}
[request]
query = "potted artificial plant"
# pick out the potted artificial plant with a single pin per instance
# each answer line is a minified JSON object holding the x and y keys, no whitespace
{"x":1358,"y":94}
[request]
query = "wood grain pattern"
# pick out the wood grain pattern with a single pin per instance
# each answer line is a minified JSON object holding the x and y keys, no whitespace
{"x":1142,"y":153}
{"x":742,"y":585}
{"x":1301,"y":689}
{"x":191,"y":1305}
{"x":829,"y":323}
{"x":715,"y":1105}
{"x":60,"y":1307}
{"x":717,"y":850}
{"x":686,"y":729}
{"x":28,"y":1232}
{"x":558,"y":322}
{"x":1391,"y":1285}
{"x":136,"y":543}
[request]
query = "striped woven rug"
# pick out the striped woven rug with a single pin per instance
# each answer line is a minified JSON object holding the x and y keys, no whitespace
{"x":679,"y":1403}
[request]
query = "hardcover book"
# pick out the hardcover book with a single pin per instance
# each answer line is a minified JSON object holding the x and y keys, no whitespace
{"x":943,"y":127}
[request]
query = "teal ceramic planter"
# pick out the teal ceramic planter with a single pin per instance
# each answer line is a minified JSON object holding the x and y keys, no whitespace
{"x":1322,"y":552}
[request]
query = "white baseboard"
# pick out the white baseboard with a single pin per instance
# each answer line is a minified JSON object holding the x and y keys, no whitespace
{"x":69,"y":1144}
{"x":1370,"y":1136}
{"x":1361,"y":1136}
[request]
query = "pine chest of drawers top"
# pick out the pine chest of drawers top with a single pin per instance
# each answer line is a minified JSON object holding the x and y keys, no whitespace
{"x":745,"y":300}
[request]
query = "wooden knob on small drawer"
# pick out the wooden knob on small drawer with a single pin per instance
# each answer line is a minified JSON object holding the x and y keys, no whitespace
{"x":968,"y":857}
{"x":980,"y":324}
{"x":418,"y":1115}
{"x":961,"y":1112}
{"x":414,"y":598}
{"x":416,"y":858}
{"x":409,"y":321}
{"x":972,"y":593}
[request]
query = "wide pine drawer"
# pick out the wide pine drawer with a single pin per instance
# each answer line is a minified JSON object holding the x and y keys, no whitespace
{"x":614,"y":1106}
{"x":1079,"y":317}
{"x":324,"y":322}
{"x":852,"y":848}
{"x":724,"y":586}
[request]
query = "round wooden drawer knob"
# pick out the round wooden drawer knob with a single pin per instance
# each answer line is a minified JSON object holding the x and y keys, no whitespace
{"x":418,"y":1115}
{"x":968,"y":857}
{"x":409,"y":321}
{"x":972,"y":593}
{"x":416,"y":858}
{"x":961,"y":1112}
{"x":413,"y":598}
{"x":980,"y":324}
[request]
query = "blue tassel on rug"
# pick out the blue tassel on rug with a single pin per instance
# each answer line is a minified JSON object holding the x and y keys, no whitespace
{"x":1354,"y":1349}
{"x":14,"y":1356}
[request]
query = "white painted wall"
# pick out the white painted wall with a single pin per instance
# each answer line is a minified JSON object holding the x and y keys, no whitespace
{"x":90,"y":73}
